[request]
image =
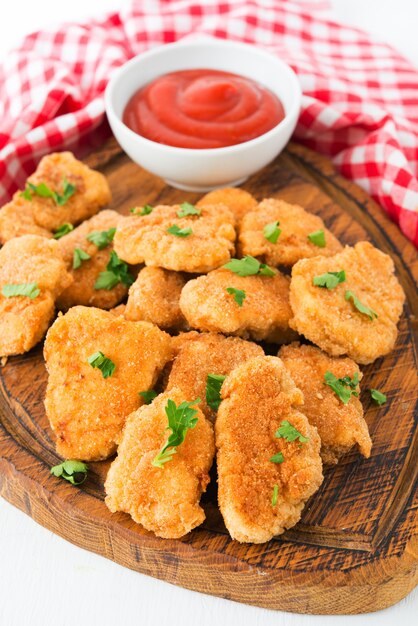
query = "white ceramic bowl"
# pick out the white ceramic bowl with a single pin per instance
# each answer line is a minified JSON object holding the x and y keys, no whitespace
{"x":194,"y":169}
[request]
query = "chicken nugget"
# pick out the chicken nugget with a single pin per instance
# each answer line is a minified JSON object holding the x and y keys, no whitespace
{"x":209,"y":353}
{"x":94,"y":237}
{"x":32,"y":274}
{"x":195,"y":243}
{"x":268,"y":454}
{"x":97,"y":364}
{"x":16,"y":219}
{"x":293,"y":242}
{"x":358,"y":314}
{"x":118,"y":310}
{"x":237,"y":200}
{"x":340,"y":426}
{"x":154,"y":297}
{"x":262,"y":313}
{"x":162,"y":495}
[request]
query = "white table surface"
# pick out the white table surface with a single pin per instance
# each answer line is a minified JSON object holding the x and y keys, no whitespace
{"x":45,"y":581}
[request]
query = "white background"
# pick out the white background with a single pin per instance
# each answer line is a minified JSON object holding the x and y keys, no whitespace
{"x":45,"y":581}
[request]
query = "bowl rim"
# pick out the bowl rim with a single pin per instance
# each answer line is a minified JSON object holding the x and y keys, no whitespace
{"x":204,"y":40}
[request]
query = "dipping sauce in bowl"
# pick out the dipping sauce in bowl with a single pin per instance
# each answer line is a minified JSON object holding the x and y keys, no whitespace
{"x":202,"y":108}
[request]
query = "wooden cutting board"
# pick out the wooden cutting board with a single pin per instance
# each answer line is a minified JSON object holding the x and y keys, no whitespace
{"x":355,"y":549}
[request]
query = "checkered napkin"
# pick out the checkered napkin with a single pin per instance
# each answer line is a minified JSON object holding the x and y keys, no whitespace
{"x":360,"y":102}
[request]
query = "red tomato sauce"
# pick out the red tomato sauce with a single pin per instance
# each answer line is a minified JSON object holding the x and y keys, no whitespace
{"x":202,"y":109}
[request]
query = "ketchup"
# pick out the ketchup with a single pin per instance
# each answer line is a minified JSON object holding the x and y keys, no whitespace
{"x":202,"y":109}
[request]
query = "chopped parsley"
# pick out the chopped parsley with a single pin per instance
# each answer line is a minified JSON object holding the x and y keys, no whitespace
{"x":344,"y":387}
{"x":117,"y":271}
{"x":277,"y":458}
{"x":148,"y":395}
{"x":379,"y":397}
{"x":145,"y":210}
{"x":30,"y":290}
{"x":317,"y":238}
{"x":188,"y":209}
{"x":100,"y":361}
{"x":214,"y":384}
{"x":329,"y":279}
{"x":79,"y":256}
{"x":239,"y":295}
{"x":180,"y":419}
{"x":43,"y":191}
{"x":179,"y":232}
{"x":362,"y":308}
{"x":101,"y":238}
{"x":73,"y":471}
{"x":290,"y":433}
{"x":272,"y":231}
{"x":249,"y":266}
{"x":64,"y":229}
{"x":275,"y":495}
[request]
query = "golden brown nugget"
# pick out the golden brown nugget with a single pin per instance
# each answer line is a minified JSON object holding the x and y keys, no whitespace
{"x":293,"y":243}
{"x":87,"y":411}
{"x":154,"y":297}
{"x":29,"y":261}
{"x":264,"y":314}
{"x":163,"y":499}
{"x":209,"y":353}
{"x":82,"y":290}
{"x":334,"y":323}
{"x":340,"y":426}
{"x":237,"y":200}
{"x":41,"y":215}
{"x":260,"y":497}
{"x":209,"y":244}
{"x":118,"y":310}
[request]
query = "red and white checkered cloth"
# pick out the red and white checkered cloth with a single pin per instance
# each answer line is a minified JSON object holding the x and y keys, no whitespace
{"x":360,"y":102}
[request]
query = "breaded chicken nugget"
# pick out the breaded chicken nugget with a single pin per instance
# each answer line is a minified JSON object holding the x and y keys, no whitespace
{"x":237,"y":200}
{"x":293,"y":242}
{"x":195,"y":243}
{"x":154,"y":297}
{"x":268,"y":453}
{"x":87,"y":401}
{"x":82,"y":291}
{"x":358,"y":316}
{"x":33,"y":269}
{"x":163,"y":499}
{"x":16,"y":219}
{"x":209,"y":353}
{"x":263,"y":315}
{"x":118,"y":310}
{"x":340,"y":426}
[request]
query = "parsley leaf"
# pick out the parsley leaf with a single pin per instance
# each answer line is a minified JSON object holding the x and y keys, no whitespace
{"x":64,"y":229}
{"x":213,"y":390}
{"x":275,"y":495}
{"x":145,"y":210}
{"x":148,"y":395}
{"x":100,"y":361}
{"x":73,"y":471}
{"x":329,"y":279}
{"x":79,"y":256}
{"x":317,"y":238}
{"x":117,"y":271}
{"x":43,"y":191}
{"x":101,"y":238}
{"x":289,"y":432}
{"x":272,"y":231}
{"x":379,"y":397}
{"x":362,"y":308}
{"x":30,"y":290}
{"x":179,"y":232}
{"x":239,"y":295}
{"x":180,"y":419}
{"x":344,"y":387}
{"x":188,"y":209}
{"x":249,"y":266}
{"x":277,"y":458}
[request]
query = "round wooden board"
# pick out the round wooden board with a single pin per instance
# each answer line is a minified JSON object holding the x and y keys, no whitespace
{"x":355,"y":549}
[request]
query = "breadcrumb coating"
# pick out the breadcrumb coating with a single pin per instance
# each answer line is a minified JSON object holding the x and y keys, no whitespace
{"x":237,"y":200}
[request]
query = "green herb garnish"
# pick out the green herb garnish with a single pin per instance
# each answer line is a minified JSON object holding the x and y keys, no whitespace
{"x":239,"y":295}
{"x":277,"y":458}
{"x":148,"y":395}
{"x":101,"y":238}
{"x":317,"y":238}
{"x":180,"y":419}
{"x":275,"y":495}
{"x":362,"y":308}
{"x":179,"y":232}
{"x":79,"y":256}
{"x":378,"y":396}
{"x":43,"y":191}
{"x":117,"y":271}
{"x":329,"y":279}
{"x":188,"y":209}
{"x":73,"y":471}
{"x":64,"y":229}
{"x":249,"y":266}
{"x":145,"y":210}
{"x":344,"y":387}
{"x":290,"y":433}
{"x":272,"y":231}
{"x":100,"y":361}
{"x":213,"y":390}
{"x":30,"y":290}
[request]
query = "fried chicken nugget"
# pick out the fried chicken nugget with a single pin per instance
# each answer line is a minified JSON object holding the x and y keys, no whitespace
{"x":209,"y":353}
{"x":205,"y":241}
{"x":163,"y":499}
{"x":340,"y":426}
{"x":237,"y":200}
{"x":330,"y":317}
{"x":293,"y":243}
{"x":42,"y":215}
{"x":86,"y":410}
{"x":82,"y":290}
{"x":265,"y":310}
{"x":260,"y":497}
{"x":154,"y":297}
{"x":24,"y":319}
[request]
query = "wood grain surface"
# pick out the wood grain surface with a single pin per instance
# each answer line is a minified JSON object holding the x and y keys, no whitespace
{"x":356,"y":547}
